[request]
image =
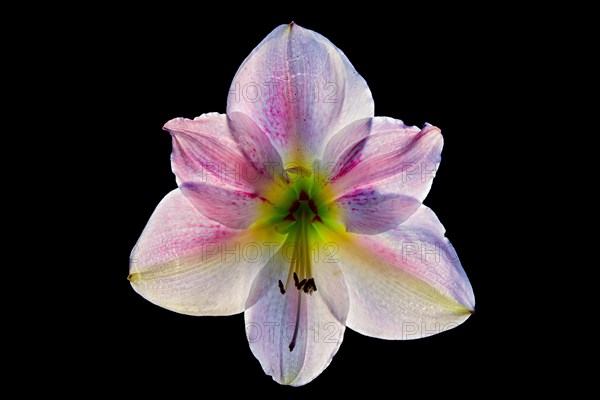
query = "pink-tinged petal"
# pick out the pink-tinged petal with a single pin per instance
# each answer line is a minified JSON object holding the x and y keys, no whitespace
{"x":392,"y":158}
{"x":271,"y":318}
{"x":367,"y":211}
{"x":233,"y":208}
{"x":339,"y":143}
{"x":205,"y":151}
{"x":187,"y":263}
{"x":406,"y":283}
{"x":256,"y":146}
{"x":300,"y":89}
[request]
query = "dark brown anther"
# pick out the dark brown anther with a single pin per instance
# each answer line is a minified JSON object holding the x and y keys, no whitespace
{"x":295,"y":279}
{"x":304,"y":196}
{"x":289,"y":217}
{"x":281,"y":289}
{"x":316,"y":218}
{"x":295,"y":205}
{"x":302,"y":282}
{"x":310,"y":286}
{"x":313,"y":206}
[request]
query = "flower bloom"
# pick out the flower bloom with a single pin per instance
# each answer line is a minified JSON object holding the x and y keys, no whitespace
{"x":302,"y":209}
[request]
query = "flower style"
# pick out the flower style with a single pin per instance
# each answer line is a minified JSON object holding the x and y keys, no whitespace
{"x":303,"y":210}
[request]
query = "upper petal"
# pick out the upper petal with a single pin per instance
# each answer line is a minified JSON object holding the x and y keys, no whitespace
{"x":271,"y":318}
{"x":256,"y":146}
{"x":351,"y":134}
{"x":406,"y":283}
{"x":367,"y":211}
{"x":190,"y":264}
{"x":205,"y":151}
{"x":233,"y":208}
{"x":300,"y":89}
{"x":386,"y":155}
{"x":223,"y":165}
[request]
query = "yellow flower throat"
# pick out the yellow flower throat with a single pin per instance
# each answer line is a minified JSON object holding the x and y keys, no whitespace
{"x":301,"y":209}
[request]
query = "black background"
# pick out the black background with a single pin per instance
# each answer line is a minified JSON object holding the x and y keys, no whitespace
{"x":448,"y":71}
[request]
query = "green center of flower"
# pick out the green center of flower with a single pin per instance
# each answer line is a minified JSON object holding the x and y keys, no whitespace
{"x":302,"y":214}
{"x":301,"y":209}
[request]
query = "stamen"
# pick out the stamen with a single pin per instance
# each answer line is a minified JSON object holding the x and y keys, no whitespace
{"x":293,"y":342}
{"x":281,"y":289}
{"x":303,"y":212}
{"x":294,"y":206}
{"x":310,"y":286}
{"x":304,"y":232}
{"x":313,"y":206}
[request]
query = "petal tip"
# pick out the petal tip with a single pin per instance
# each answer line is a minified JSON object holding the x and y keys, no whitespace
{"x":173,"y":124}
{"x":289,"y":27}
{"x":133,"y":277}
{"x":429,"y":127}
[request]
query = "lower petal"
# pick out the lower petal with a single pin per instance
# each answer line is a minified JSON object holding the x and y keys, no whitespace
{"x":190,"y":264}
{"x":406,"y":283}
{"x":272,"y":318}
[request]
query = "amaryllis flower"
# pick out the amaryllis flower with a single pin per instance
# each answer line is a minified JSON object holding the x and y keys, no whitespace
{"x":303,"y":210}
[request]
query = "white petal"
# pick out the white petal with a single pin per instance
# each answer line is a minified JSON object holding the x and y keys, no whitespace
{"x":271,"y":319}
{"x":190,"y":264}
{"x":406,"y":283}
{"x":300,"y":89}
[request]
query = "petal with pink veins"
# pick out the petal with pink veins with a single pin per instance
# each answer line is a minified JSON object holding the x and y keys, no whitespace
{"x":271,"y":319}
{"x":233,"y":208}
{"x":190,"y":264}
{"x":367,"y":211}
{"x":300,"y":89}
{"x":256,"y":146}
{"x":406,"y":283}
{"x":339,"y":143}
{"x":205,"y":151}
{"x":391,"y":158}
